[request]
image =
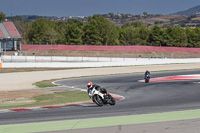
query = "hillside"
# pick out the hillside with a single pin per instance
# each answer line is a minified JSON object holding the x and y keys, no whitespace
{"x":192,"y":11}
{"x":162,"y":20}
{"x":120,"y":19}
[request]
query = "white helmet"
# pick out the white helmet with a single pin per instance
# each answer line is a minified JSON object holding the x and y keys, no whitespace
{"x":89,"y":85}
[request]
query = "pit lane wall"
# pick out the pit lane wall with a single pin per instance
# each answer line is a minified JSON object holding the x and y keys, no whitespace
{"x":76,"y":62}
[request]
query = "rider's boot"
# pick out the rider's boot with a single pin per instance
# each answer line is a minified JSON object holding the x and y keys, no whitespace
{"x":105,"y":98}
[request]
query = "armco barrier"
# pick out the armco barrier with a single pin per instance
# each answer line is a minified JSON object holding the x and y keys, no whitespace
{"x":110,"y":48}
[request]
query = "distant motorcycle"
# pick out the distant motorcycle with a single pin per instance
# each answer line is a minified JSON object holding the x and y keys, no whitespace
{"x":102,"y":98}
{"x":147,"y":78}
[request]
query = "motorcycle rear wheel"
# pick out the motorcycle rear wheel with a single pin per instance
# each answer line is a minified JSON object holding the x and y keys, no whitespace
{"x":112,"y":101}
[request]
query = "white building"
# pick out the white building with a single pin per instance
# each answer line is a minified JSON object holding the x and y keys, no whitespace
{"x":10,"y":38}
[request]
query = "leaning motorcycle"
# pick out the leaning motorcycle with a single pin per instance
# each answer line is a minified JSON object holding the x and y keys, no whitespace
{"x":102,"y":98}
{"x":147,"y":78}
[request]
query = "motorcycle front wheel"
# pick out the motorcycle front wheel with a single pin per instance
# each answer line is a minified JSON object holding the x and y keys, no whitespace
{"x":97,"y":99}
{"x":147,"y":80}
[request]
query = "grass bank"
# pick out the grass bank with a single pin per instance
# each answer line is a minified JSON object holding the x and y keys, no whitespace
{"x":55,"y":98}
{"x":45,"y":83}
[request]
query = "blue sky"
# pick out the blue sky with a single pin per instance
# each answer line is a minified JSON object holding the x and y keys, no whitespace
{"x":66,"y":8}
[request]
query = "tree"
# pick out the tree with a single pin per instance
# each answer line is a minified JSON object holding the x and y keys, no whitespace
{"x":193,"y":36}
{"x":74,"y":34}
{"x":60,"y":28}
{"x":145,"y":14}
{"x":156,"y":36}
{"x":42,"y":31}
{"x":111,"y":15}
{"x":16,"y":18}
{"x":110,"y":33}
{"x":197,"y":31}
{"x":2,"y":16}
{"x":130,"y":35}
{"x":176,"y":36}
{"x":112,"y":37}
{"x":91,"y":33}
{"x":100,"y":31}
{"x":134,"y":24}
{"x":144,"y":34}
{"x":134,"y":35}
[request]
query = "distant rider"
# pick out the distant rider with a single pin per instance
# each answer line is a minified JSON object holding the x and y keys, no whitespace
{"x":146,"y":73}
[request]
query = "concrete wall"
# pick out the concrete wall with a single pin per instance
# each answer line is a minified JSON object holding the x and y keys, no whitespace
{"x":69,"y":62}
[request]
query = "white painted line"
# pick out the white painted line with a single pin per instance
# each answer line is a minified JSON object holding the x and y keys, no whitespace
{"x":37,"y":108}
{"x":89,"y":105}
{"x":6,"y":111}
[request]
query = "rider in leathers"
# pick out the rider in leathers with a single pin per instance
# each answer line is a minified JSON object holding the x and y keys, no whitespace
{"x":92,"y":86}
{"x":146,"y":73}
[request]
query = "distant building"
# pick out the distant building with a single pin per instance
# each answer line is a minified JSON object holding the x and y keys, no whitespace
{"x":10,"y":38}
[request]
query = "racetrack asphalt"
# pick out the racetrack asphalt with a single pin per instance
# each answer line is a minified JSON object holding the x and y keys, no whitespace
{"x":24,"y":80}
{"x":184,"y":125}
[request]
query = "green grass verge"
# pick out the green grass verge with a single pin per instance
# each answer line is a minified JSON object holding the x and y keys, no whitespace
{"x":48,"y":83}
{"x":56,"y":98}
{"x":12,"y":104}
{"x":45,"y":83}
{"x":61,"y":98}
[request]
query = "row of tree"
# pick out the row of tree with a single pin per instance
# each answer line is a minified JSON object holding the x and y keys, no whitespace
{"x":97,"y":31}
{"x":100,"y":31}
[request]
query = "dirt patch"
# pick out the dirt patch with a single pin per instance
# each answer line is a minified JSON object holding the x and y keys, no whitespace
{"x":7,"y":97}
{"x":119,"y":54}
{"x":10,"y":70}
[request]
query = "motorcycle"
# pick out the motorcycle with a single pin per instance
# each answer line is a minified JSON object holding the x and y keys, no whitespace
{"x":147,"y":78}
{"x":102,"y":98}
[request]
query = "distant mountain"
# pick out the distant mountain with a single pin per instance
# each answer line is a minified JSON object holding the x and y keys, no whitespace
{"x":192,"y":11}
